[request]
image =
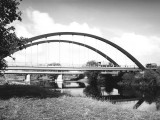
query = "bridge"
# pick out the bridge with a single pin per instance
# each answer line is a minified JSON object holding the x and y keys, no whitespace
{"x":72,"y":38}
{"x":66,"y":70}
{"x":38,"y":55}
{"x":74,"y":68}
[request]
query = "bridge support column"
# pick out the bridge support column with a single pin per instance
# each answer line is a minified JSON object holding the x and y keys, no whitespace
{"x":59,"y":81}
{"x":28,"y":79}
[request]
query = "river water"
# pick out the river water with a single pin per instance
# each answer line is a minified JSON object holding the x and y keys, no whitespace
{"x":124,"y":97}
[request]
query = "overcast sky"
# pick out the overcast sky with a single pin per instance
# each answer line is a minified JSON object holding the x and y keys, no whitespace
{"x":132,"y":24}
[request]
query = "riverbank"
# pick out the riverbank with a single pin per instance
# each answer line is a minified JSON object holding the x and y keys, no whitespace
{"x":26,"y":91}
{"x":68,"y":108}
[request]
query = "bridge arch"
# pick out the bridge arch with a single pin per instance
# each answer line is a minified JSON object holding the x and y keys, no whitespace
{"x":73,"y":42}
{"x":92,"y":36}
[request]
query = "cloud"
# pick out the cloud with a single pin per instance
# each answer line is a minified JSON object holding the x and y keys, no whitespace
{"x":141,"y":47}
{"x":42,"y":23}
{"x":145,"y":49}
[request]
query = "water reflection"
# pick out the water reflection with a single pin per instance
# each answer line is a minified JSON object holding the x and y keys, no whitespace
{"x":77,"y":92}
{"x":147,"y":98}
{"x":145,"y":95}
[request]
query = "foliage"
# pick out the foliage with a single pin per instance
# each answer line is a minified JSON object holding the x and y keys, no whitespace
{"x":109,"y":83}
{"x":151,"y":77}
{"x":92,"y":91}
{"x":3,"y":64}
{"x":9,"y":12}
{"x":54,"y":64}
{"x":92,"y":63}
{"x":43,"y":80}
{"x":101,"y":80}
{"x":110,"y":64}
{"x":149,"y":94}
{"x":92,"y":77}
{"x":9,"y":91}
{"x":158,"y":70}
{"x":128,"y":78}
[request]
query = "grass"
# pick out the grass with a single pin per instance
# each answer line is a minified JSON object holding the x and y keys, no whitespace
{"x":34,"y":103}
{"x":68,"y":108}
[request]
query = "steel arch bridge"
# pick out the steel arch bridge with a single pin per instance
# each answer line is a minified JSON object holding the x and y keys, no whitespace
{"x":73,"y":42}
{"x":33,"y":39}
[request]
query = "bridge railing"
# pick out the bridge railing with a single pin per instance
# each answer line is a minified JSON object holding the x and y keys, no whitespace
{"x":128,"y":66}
{"x":32,"y":64}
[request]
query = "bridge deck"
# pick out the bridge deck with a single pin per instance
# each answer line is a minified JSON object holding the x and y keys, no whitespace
{"x":47,"y":72}
{"x":74,"y":68}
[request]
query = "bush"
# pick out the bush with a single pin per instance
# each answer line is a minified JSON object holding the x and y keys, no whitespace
{"x":151,"y":77}
{"x":9,"y":91}
{"x":92,"y":91}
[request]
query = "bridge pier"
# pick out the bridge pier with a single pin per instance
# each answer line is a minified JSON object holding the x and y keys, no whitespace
{"x":59,"y":81}
{"x":28,"y":79}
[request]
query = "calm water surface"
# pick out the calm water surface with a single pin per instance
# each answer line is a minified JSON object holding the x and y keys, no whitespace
{"x":125,"y":98}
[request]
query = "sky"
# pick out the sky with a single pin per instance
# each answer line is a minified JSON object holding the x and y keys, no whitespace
{"x":131,"y":24}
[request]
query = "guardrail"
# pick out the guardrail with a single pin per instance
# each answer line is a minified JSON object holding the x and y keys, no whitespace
{"x":59,"y":68}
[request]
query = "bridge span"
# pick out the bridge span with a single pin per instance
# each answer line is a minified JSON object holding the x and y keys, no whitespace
{"x":61,"y":68}
{"x":62,"y":72}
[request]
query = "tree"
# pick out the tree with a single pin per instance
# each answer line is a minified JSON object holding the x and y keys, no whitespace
{"x":53,"y":76}
{"x":108,"y":82}
{"x":54,"y":64}
{"x":151,"y":77}
{"x":9,"y":12}
{"x":158,"y":72}
{"x":92,"y":89}
{"x":92,"y":75}
{"x":92,"y":63}
{"x":128,"y":78}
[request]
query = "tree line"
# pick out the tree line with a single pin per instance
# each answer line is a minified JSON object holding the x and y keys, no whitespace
{"x":9,"y":12}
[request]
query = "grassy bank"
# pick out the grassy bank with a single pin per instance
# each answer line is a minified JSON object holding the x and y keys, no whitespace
{"x":22,"y":102}
{"x":68,"y":108}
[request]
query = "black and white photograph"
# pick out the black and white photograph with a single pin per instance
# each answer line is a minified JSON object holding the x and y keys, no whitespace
{"x":79,"y":60}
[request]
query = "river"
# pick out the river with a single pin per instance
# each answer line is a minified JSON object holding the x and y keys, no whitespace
{"x":124,"y":97}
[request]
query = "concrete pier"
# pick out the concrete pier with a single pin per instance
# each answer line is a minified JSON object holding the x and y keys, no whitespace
{"x":59,"y":81}
{"x":28,"y":79}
